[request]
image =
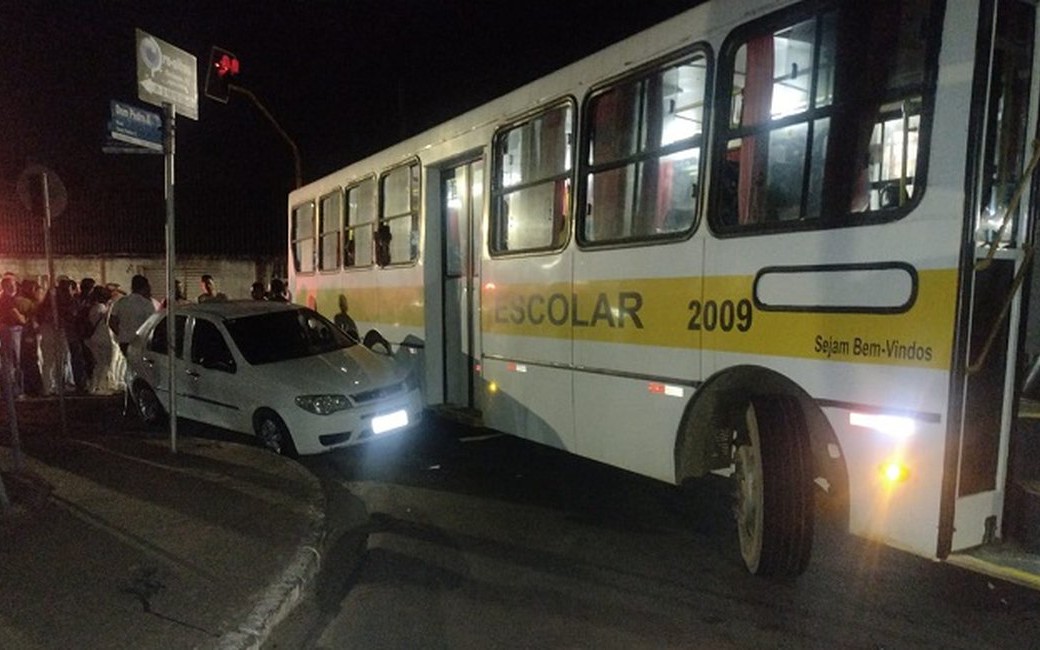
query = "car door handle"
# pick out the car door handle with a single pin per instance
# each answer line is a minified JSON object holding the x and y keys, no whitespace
{"x":149,"y":361}
{"x":192,"y":373}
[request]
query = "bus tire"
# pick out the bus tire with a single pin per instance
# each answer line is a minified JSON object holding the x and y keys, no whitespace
{"x":774,"y":489}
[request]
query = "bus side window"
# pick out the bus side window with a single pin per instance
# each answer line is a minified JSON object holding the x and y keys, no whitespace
{"x":397,"y":236}
{"x":532,"y":182}
{"x":303,"y":244}
{"x":359,"y":215}
{"x":643,"y":150}
{"x":330,"y":216}
{"x":861,"y":69}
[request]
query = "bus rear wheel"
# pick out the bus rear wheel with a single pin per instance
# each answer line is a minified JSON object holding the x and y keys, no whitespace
{"x":774,"y":490}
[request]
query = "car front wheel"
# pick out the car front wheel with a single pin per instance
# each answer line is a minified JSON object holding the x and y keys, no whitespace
{"x":273,"y":433}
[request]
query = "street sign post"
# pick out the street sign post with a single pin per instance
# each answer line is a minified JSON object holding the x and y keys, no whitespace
{"x":44,"y":195}
{"x":166,"y":75}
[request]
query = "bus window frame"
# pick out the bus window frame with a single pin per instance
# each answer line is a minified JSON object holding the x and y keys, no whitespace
{"x":702,"y":143}
{"x":293,"y":240}
{"x":495,"y":192}
{"x":358,"y":183}
{"x":321,"y":233}
{"x":723,"y":132}
{"x":415,"y":213}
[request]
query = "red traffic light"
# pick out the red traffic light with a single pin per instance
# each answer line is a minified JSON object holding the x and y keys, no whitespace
{"x":222,"y":66}
{"x":227,"y":65}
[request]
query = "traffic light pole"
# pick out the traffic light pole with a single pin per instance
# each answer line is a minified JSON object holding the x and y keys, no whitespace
{"x":277,"y":127}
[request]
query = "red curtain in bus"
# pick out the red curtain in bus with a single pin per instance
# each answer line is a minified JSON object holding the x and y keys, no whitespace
{"x":754,"y":149}
{"x":612,"y":133}
{"x":665,"y":187}
{"x":561,"y":205}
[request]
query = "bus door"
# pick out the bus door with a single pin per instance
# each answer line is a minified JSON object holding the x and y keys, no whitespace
{"x":1002,"y":164}
{"x":462,"y":198}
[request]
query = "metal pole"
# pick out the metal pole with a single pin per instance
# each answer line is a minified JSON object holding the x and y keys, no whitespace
{"x":277,"y":127}
{"x":54,"y":296}
{"x":171,"y":298}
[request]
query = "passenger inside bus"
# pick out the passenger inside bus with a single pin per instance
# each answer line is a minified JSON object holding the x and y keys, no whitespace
{"x":383,"y":238}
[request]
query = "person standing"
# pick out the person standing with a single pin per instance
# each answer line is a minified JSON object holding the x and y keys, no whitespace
{"x":54,"y":346}
{"x":344,"y":321}
{"x":104,"y":377}
{"x":179,"y":297}
{"x":83,"y":304}
{"x":12,"y":322}
{"x":86,"y":286}
{"x":278,"y":292}
{"x":30,"y":296}
{"x":129,"y":313}
{"x":73,"y":325}
{"x":256,"y":292}
{"x":209,"y":290}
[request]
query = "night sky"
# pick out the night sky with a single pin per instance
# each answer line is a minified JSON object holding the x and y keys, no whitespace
{"x":343,"y":78}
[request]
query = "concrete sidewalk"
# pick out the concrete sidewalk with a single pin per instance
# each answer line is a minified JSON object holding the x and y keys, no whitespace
{"x":132,"y":546}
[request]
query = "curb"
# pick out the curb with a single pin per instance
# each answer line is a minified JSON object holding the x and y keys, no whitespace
{"x":30,"y":491}
{"x":23,"y":492}
{"x":282,"y":596}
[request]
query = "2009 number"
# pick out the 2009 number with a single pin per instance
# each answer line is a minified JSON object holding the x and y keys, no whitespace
{"x":725,"y":315}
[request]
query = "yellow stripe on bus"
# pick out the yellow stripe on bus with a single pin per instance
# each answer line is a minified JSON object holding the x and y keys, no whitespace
{"x":400,"y":306}
{"x":677,"y":312}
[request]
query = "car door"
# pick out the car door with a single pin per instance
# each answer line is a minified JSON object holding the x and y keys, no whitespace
{"x":155,"y":359}
{"x":212,"y":393}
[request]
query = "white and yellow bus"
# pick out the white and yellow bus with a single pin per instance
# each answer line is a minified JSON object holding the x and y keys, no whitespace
{"x":783,"y":240}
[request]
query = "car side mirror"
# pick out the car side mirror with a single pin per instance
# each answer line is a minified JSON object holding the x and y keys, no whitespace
{"x":374,"y":340}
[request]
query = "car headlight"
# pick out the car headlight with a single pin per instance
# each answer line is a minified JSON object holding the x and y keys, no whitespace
{"x":323,"y":404}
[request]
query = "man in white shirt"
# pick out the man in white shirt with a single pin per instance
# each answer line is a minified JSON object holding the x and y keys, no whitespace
{"x":129,"y":313}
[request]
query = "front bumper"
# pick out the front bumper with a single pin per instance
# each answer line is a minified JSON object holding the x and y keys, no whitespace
{"x":315,"y":434}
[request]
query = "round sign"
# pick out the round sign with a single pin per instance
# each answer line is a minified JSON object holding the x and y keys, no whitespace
{"x":30,"y":190}
{"x":150,"y":54}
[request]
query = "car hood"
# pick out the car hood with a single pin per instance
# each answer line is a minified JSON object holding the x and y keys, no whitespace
{"x":348,"y":371}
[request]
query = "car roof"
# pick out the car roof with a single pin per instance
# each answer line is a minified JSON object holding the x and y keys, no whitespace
{"x":234,"y":308}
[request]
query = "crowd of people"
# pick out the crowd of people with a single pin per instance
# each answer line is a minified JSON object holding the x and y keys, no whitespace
{"x":74,"y":336}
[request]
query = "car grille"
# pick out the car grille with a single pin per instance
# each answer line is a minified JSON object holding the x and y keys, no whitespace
{"x":378,"y":393}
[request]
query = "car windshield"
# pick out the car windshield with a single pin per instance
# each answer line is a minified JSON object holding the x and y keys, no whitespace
{"x":283,"y":335}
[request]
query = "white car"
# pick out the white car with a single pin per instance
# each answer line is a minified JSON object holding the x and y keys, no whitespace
{"x":279,"y":370}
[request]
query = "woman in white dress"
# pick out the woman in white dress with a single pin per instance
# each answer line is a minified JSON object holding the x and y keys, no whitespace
{"x":105,"y":378}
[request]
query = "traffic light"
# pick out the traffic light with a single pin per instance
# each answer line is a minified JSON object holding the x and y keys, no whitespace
{"x":222,"y":66}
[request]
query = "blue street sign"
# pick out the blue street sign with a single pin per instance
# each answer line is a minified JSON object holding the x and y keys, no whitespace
{"x":135,"y":126}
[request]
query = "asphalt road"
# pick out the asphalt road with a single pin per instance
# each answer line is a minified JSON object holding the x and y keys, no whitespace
{"x":454,"y":538}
